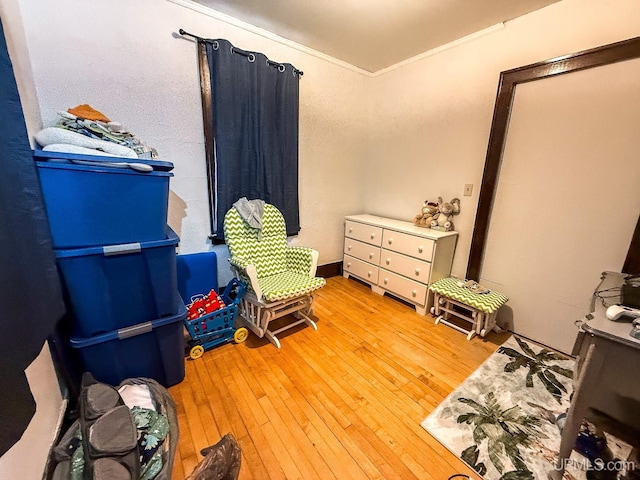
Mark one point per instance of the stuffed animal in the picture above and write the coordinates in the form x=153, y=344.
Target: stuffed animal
x=423, y=219
x=443, y=220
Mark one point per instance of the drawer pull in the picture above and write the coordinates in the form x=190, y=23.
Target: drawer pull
x=369, y=273
x=349, y=247
x=420, y=249
x=417, y=271
x=349, y=265
x=386, y=280
x=371, y=255
x=390, y=241
x=373, y=235
x=388, y=261
x=350, y=229
x=414, y=293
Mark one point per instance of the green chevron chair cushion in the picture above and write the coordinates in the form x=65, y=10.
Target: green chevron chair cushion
x=265, y=249
x=485, y=302
x=287, y=285
x=283, y=271
x=299, y=259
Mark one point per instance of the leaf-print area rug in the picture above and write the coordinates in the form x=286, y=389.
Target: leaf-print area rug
x=502, y=420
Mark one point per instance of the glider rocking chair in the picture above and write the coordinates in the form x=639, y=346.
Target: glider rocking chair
x=280, y=278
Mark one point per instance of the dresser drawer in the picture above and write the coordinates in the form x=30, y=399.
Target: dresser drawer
x=361, y=269
x=409, y=267
x=411, y=245
x=403, y=287
x=361, y=250
x=363, y=232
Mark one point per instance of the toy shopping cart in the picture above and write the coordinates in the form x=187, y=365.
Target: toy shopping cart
x=197, y=275
x=218, y=327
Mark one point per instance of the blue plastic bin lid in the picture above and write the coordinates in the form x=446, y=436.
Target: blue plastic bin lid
x=42, y=156
x=121, y=249
x=132, y=331
x=58, y=164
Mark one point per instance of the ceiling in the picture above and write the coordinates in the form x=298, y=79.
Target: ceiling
x=374, y=34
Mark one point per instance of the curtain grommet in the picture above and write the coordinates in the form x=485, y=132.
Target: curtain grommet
x=215, y=45
x=251, y=57
x=281, y=68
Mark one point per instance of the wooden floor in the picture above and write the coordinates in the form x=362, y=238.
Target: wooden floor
x=343, y=402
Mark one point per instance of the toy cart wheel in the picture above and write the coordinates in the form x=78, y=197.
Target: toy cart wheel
x=240, y=335
x=196, y=352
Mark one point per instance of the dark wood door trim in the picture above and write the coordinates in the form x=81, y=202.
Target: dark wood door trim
x=509, y=79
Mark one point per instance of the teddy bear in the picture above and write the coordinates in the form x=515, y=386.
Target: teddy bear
x=443, y=219
x=423, y=219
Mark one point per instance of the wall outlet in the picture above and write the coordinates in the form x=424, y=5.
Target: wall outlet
x=468, y=188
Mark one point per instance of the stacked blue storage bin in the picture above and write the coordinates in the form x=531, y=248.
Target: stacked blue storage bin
x=117, y=259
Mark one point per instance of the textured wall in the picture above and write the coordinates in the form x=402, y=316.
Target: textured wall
x=121, y=57
x=437, y=111
x=381, y=144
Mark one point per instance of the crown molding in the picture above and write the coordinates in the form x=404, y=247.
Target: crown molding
x=441, y=48
x=327, y=58
x=267, y=34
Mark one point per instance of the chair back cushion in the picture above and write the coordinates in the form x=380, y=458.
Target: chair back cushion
x=265, y=248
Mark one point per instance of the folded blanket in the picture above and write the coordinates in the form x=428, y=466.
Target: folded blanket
x=68, y=148
x=53, y=135
x=251, y=212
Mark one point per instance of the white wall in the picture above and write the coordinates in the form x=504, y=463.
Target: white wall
x=121, y=57
x=381, y=144
x=434, y=115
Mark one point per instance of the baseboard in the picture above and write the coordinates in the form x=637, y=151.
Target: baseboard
x=329, y=270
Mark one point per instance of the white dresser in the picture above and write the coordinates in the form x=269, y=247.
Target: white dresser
x=397, y=257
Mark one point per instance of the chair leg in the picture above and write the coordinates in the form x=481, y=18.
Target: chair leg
x=272, y=338
x=303, y=316
x=257, y=316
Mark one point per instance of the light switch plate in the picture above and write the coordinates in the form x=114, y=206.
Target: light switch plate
x=468, y=188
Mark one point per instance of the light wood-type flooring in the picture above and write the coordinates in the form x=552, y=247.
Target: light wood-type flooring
x=343, y=402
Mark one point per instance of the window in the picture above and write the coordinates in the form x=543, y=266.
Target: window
x=250, y=116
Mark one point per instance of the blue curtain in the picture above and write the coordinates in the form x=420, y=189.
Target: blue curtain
x=30, y=294
x=255, y=129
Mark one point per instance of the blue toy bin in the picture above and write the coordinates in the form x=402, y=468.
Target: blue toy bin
x=197, y=273
x=94, y=203
x=117, y=286
x=152, y=349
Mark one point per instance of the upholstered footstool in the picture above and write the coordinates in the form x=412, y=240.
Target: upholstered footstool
x=468, y=301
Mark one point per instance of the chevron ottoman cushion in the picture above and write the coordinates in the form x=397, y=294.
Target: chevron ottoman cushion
x=485, y=302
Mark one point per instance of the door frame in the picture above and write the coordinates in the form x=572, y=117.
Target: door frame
x=509, y=80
